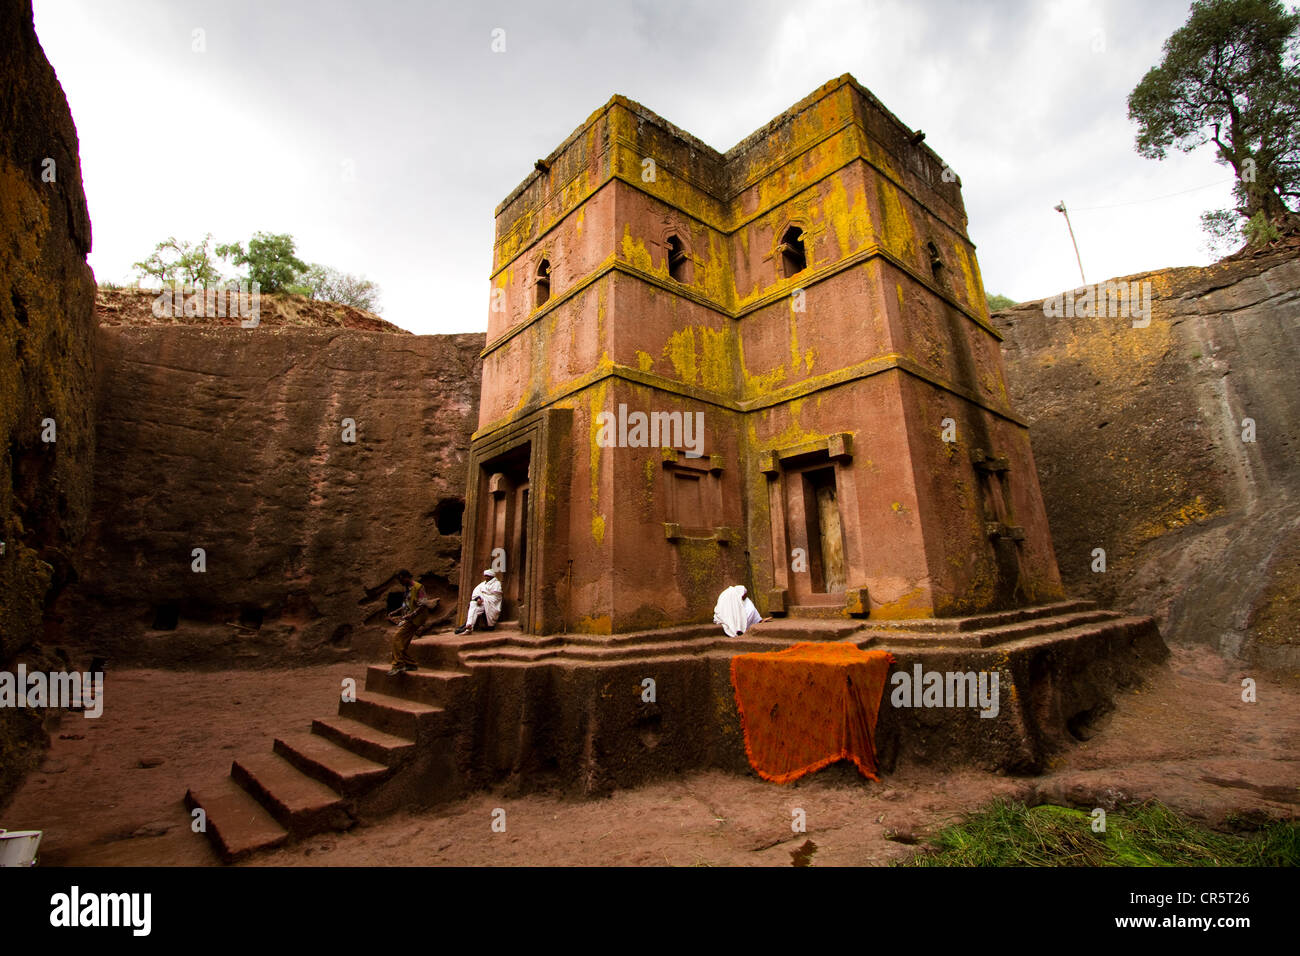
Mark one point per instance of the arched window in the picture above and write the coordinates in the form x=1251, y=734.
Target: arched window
x=543, y=281
x=677, y=260
x=793, y=257
x=936, y=264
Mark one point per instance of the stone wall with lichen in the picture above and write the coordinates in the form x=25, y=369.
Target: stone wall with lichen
x=307, y=465
x=47, y=322
x=1173, y=447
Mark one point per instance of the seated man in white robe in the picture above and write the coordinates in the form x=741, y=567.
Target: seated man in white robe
x=485, y=603
x=736, y=612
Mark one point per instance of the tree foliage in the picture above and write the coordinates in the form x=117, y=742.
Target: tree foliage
x=1230, y=76
x=330, y=285
x=270, y=260
x=174, y=261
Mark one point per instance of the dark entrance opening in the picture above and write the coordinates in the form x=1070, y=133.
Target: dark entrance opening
x=166, y=616
x=449, y=515
x=825, y=531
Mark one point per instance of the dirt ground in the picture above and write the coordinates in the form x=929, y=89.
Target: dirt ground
x=109, y=792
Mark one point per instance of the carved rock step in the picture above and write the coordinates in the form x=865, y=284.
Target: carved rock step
x=980, y=622
x=301, y=805
x=384, y=748
x=337, y=767
x=1118, y=627
x=815, y=612
x=237, y=825
x=428, y=686
x=394, y=715
x=442, y=651
x=755, y=640
x=989, y=637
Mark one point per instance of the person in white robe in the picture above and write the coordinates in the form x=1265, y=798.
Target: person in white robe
x=485, y=603
x=736, y=612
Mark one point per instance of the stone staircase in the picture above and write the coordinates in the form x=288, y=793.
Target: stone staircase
x=387, y=748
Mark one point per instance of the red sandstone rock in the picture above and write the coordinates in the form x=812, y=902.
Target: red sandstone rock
x=232, y=440
x=46, y=326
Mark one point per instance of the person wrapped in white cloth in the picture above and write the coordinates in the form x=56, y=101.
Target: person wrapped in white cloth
x=736, y=612
x=485, y=603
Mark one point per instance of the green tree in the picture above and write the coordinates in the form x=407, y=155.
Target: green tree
x=173, y=261
x=1231, y=75
x=997, y=302
x=330, y=285
x=270, y=260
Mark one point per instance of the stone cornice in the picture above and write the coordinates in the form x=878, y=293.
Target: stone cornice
x=863, y=370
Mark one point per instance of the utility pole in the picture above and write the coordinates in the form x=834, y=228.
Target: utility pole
x=1060, y=207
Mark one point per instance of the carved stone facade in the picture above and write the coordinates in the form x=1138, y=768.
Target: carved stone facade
x=772, y=366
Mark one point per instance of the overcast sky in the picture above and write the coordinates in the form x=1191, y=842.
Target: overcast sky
x=383, y=134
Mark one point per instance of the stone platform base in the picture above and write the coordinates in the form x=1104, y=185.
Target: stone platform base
x=591, y=713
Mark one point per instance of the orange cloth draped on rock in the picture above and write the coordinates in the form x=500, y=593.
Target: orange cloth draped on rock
x=808, y=706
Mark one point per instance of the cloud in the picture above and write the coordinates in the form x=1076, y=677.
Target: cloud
x=382, y=136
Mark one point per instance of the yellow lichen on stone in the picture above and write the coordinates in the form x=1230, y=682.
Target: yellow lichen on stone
x=794, y=336
x=913, y=603
x=761, y=384
x=1192, y=512
x=594, y=624
x=793, y=434
x=849, y=221
x=970, y=275
x=899, y=233
x=599, y=397
x=719, y=284
x=716, y=364
x=635, y=253
x=644, y=361
x=680, y=351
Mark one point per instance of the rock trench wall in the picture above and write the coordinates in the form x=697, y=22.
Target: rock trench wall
x=47, y=321
x=1141, y=449
x=233, y=441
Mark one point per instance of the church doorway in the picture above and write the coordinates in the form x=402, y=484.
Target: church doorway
x=825, y=531
x=505, y=549
x=814, y=531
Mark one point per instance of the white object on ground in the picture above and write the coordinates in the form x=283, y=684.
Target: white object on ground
x=18, y=847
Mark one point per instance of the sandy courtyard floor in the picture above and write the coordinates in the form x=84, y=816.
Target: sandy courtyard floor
x=109, y=792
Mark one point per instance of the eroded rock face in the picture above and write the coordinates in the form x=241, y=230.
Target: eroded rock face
x=235, y=441
x=47, y=321
x=1142, y=443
